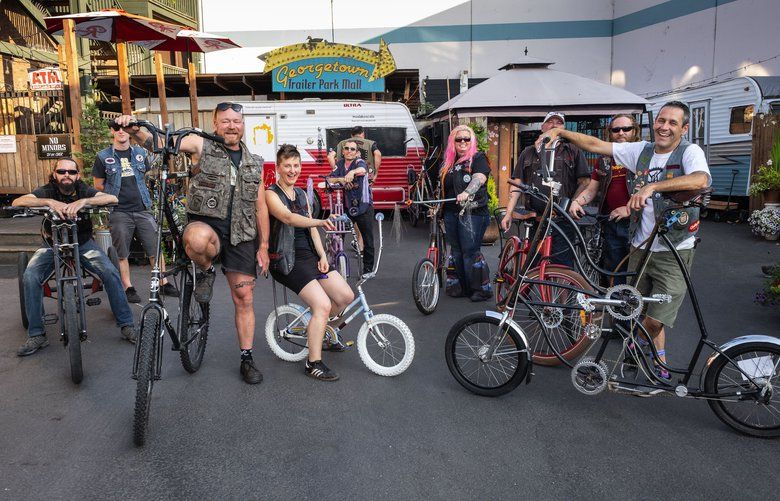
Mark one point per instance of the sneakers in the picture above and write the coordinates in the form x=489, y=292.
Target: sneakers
x=132, y=295
x=250, y=373
x=170, y=290
x=32, y=345
x=320, y=371
x=480, y=295
x=128, y=333
x=204, y=285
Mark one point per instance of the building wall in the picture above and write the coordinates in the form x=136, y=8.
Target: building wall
x=645, y=46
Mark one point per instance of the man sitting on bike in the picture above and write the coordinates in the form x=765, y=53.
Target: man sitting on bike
x=669, y=164
x=226, y=208
x=609, y=188
x=66, y=194
x=352, y=171
x=299, y=261
x=570, y=169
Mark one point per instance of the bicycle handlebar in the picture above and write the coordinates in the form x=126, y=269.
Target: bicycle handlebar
x=46, y=211
x=168, y=133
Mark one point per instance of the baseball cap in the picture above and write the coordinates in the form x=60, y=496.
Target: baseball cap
x=554, y=114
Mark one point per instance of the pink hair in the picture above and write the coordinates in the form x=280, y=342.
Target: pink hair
x=449, y=153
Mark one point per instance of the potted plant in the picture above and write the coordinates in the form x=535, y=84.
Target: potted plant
x=766, y=181
x=769, y=295
x=765, y=223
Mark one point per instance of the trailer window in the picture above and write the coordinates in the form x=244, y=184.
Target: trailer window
x=741, y=119
x=391, y=141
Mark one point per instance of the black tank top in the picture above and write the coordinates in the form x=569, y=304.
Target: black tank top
x=297, y=206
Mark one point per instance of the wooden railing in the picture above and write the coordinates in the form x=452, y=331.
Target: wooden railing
x=170, y=69
x=188, y=8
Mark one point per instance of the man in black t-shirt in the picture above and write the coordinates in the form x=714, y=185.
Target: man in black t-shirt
x=67, y=194
x=570, y=169
x=119, y=170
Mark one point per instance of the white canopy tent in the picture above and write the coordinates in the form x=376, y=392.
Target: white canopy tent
x=529, y=88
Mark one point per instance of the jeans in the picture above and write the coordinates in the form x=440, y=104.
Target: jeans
x=464, y=235
x=615, y=246
x=559, y=250
x=365, y=223
x=92, y=259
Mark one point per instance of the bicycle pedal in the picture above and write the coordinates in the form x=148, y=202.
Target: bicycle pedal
x=51, y=319
x=349, y=344
x=93, y=301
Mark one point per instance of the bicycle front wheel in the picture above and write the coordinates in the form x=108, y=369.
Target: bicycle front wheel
x=508, y=268
x=285, y=332
x=193, y=327
x=564, y=324
x=748, y=407
x=466, y=349
x=145, y=369
x=71, y=324
x=425, y=286
x=385, y=345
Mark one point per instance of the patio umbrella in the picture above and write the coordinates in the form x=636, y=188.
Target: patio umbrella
x=118, y=26
x=186, y=41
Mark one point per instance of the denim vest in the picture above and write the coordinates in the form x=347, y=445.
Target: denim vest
x=681, y=222
x=357, y=199
x=113, y=169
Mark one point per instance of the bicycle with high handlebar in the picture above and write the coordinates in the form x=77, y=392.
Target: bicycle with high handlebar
x=384, y=342
x=335, y=238
x=190, y=332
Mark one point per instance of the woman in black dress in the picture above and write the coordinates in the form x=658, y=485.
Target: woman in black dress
x=298, y=259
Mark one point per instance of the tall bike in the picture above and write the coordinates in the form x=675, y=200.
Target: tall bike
x=335, y=238
x=68, y=282
x=190, y=332
x=430, y=271
x=421, y=187
x=385, y=343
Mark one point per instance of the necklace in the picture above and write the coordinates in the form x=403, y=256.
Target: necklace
x=287, y=193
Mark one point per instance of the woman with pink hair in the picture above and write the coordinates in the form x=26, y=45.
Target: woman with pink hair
x=463, y=176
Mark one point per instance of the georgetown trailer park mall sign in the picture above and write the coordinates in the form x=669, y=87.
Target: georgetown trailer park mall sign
x=321, y=66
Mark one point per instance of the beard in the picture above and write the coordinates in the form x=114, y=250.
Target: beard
x=66, y=188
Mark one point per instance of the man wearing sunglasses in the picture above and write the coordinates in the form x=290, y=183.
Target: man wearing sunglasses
x=119, y=170
x=367, y=150
x=228, y=218
x=67, y=195
x=570, y=169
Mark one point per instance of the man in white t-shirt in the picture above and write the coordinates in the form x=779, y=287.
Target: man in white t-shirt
x=674, y=165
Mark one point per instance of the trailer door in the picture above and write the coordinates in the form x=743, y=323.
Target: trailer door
x=260, y=135
x=699, y=131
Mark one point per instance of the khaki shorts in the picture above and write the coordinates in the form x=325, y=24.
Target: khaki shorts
x=662, y=276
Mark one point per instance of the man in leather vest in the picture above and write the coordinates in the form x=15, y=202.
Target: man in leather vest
x=368, y=149
x=670, y=164
x=571, y=170
x=228, y=218
x=119, y=170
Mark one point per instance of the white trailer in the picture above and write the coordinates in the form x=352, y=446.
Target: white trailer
x=316, y=126
x=721, y=121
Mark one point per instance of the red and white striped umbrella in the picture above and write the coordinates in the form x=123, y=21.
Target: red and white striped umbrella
x=115, y=25
x=192, y=41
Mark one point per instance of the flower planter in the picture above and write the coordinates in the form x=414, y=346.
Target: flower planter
x=774, y=237
x=491, y=233
x=771, y=197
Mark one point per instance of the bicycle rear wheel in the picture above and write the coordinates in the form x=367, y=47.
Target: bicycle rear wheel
x=414, y=210
x=508, y=268
x=21, y=266
x=71, y=324
x=425, y=286
x=745, y=411
x=565, y=325
x=385, y=345
x=466, y=352
x=145, y=369
x=193, y=326
x=285, y=332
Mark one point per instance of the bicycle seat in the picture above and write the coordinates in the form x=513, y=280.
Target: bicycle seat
x=698, y=198
x=521, y=214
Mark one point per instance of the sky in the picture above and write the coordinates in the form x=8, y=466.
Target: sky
x=241, y=20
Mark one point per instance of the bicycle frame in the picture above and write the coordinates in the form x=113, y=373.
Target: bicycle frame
x=65, y=247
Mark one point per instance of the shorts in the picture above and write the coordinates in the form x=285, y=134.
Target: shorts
x=241, y=258
x=126, y=224
x=662, y=276
x=304, y=271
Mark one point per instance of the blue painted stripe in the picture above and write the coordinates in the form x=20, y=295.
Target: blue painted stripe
x=666, y=11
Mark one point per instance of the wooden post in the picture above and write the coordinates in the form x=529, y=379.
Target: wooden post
x=158, y=70
x=504, y=161
x=193, y=83
x=74, y=88
x=124, y=77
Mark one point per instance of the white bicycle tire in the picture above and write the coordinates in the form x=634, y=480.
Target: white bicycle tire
x=270, y=333
x=376, y=368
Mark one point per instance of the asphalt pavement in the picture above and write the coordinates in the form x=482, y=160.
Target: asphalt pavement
x=416, y=436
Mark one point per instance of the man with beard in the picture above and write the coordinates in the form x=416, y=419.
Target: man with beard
x=226, y=208
x=66, y=194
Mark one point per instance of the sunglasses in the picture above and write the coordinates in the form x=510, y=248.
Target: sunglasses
x=62, y=172
x=115, y=127
x=462, y=139
x=615, y=130
x=233, y=106
x=349, y=148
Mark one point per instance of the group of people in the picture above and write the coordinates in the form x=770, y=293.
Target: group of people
x=233, y=218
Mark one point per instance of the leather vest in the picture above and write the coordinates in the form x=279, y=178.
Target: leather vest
x=682, y=223
x=604, y=169
x=212, y=195
x=365, y=146
x=563, y=172
x=281, y=244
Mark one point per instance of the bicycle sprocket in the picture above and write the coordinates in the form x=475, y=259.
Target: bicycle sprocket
x=589, y=377
x=632, y=298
